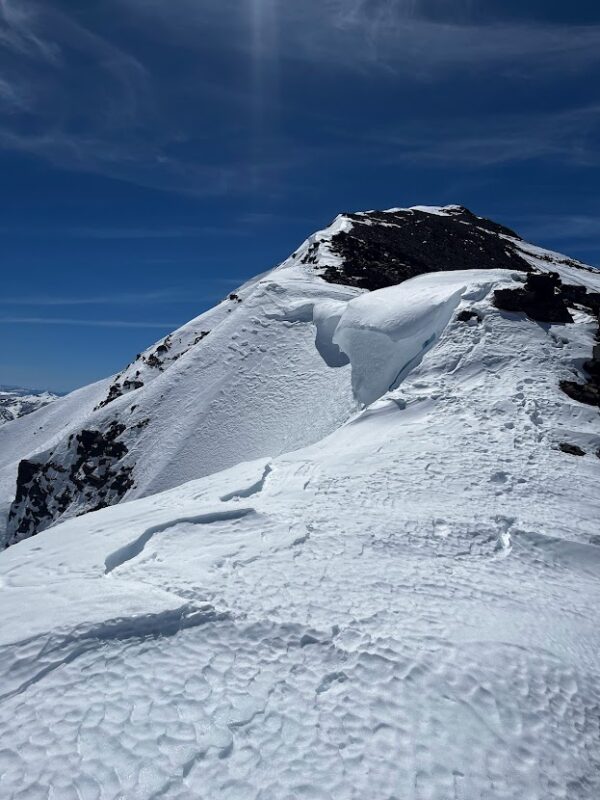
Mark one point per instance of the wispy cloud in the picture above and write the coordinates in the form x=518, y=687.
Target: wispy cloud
x=40, y=47
x=575, y=228
x=169, y=296
x=234, y=228
x=18, y=32
x=419, y=35
x=398, y=34
x=567, y=135
x=72, y=96
x=87, y=94
x=109, y=300
x=172, y=232
x=128, y=159
x=93, y=323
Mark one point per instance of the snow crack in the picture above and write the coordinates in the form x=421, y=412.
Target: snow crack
x=254, y=488
x=133, y=549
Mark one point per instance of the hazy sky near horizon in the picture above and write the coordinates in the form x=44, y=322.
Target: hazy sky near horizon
x=156, y=153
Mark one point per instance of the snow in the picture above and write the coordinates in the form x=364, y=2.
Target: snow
x=254, y=386
x=385, y=333
x=403, y=606
x=326, y=317
x=570, y=271
x=441, y=211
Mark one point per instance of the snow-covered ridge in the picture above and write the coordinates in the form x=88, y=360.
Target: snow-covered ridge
x=267, y=371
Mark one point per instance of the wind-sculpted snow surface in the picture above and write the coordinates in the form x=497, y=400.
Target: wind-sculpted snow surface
x=406, y=608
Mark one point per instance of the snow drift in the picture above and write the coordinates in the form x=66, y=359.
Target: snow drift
x=385, y=334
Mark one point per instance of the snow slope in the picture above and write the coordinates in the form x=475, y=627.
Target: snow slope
x=405, y=608
x=245, y=380
x=254, y=385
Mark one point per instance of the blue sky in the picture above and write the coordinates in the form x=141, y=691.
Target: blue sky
x=156, y=153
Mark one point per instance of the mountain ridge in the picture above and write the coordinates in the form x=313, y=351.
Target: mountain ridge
x=131, y=447
x=17, y=401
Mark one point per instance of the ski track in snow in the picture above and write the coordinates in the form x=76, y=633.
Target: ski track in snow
x=406, y=608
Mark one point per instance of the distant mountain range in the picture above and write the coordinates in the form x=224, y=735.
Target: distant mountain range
x=15, y=401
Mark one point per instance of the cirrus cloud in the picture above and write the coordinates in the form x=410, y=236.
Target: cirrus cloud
x=187, y=96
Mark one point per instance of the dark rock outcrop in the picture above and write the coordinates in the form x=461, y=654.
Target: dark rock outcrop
x=571, y=449
x=91, y=475
x=384, y=248
x=587, y=392
x=541, y=299
x=580, y=296
x=544, y=298
x=467, y=314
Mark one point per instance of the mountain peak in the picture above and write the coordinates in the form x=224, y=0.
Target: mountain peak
x=265, y=371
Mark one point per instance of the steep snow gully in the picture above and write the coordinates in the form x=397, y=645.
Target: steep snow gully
x=361, y=553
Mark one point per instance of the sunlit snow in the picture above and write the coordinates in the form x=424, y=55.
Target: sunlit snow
x=393, y=595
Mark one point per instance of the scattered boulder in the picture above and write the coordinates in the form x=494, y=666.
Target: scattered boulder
x=540, y=298
x=154, y=361
x=130, y=385
x=580, y=296
x=115, y=390
x=160, y=359
x=589, y=391
x=571, y=449
x=468, y=314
